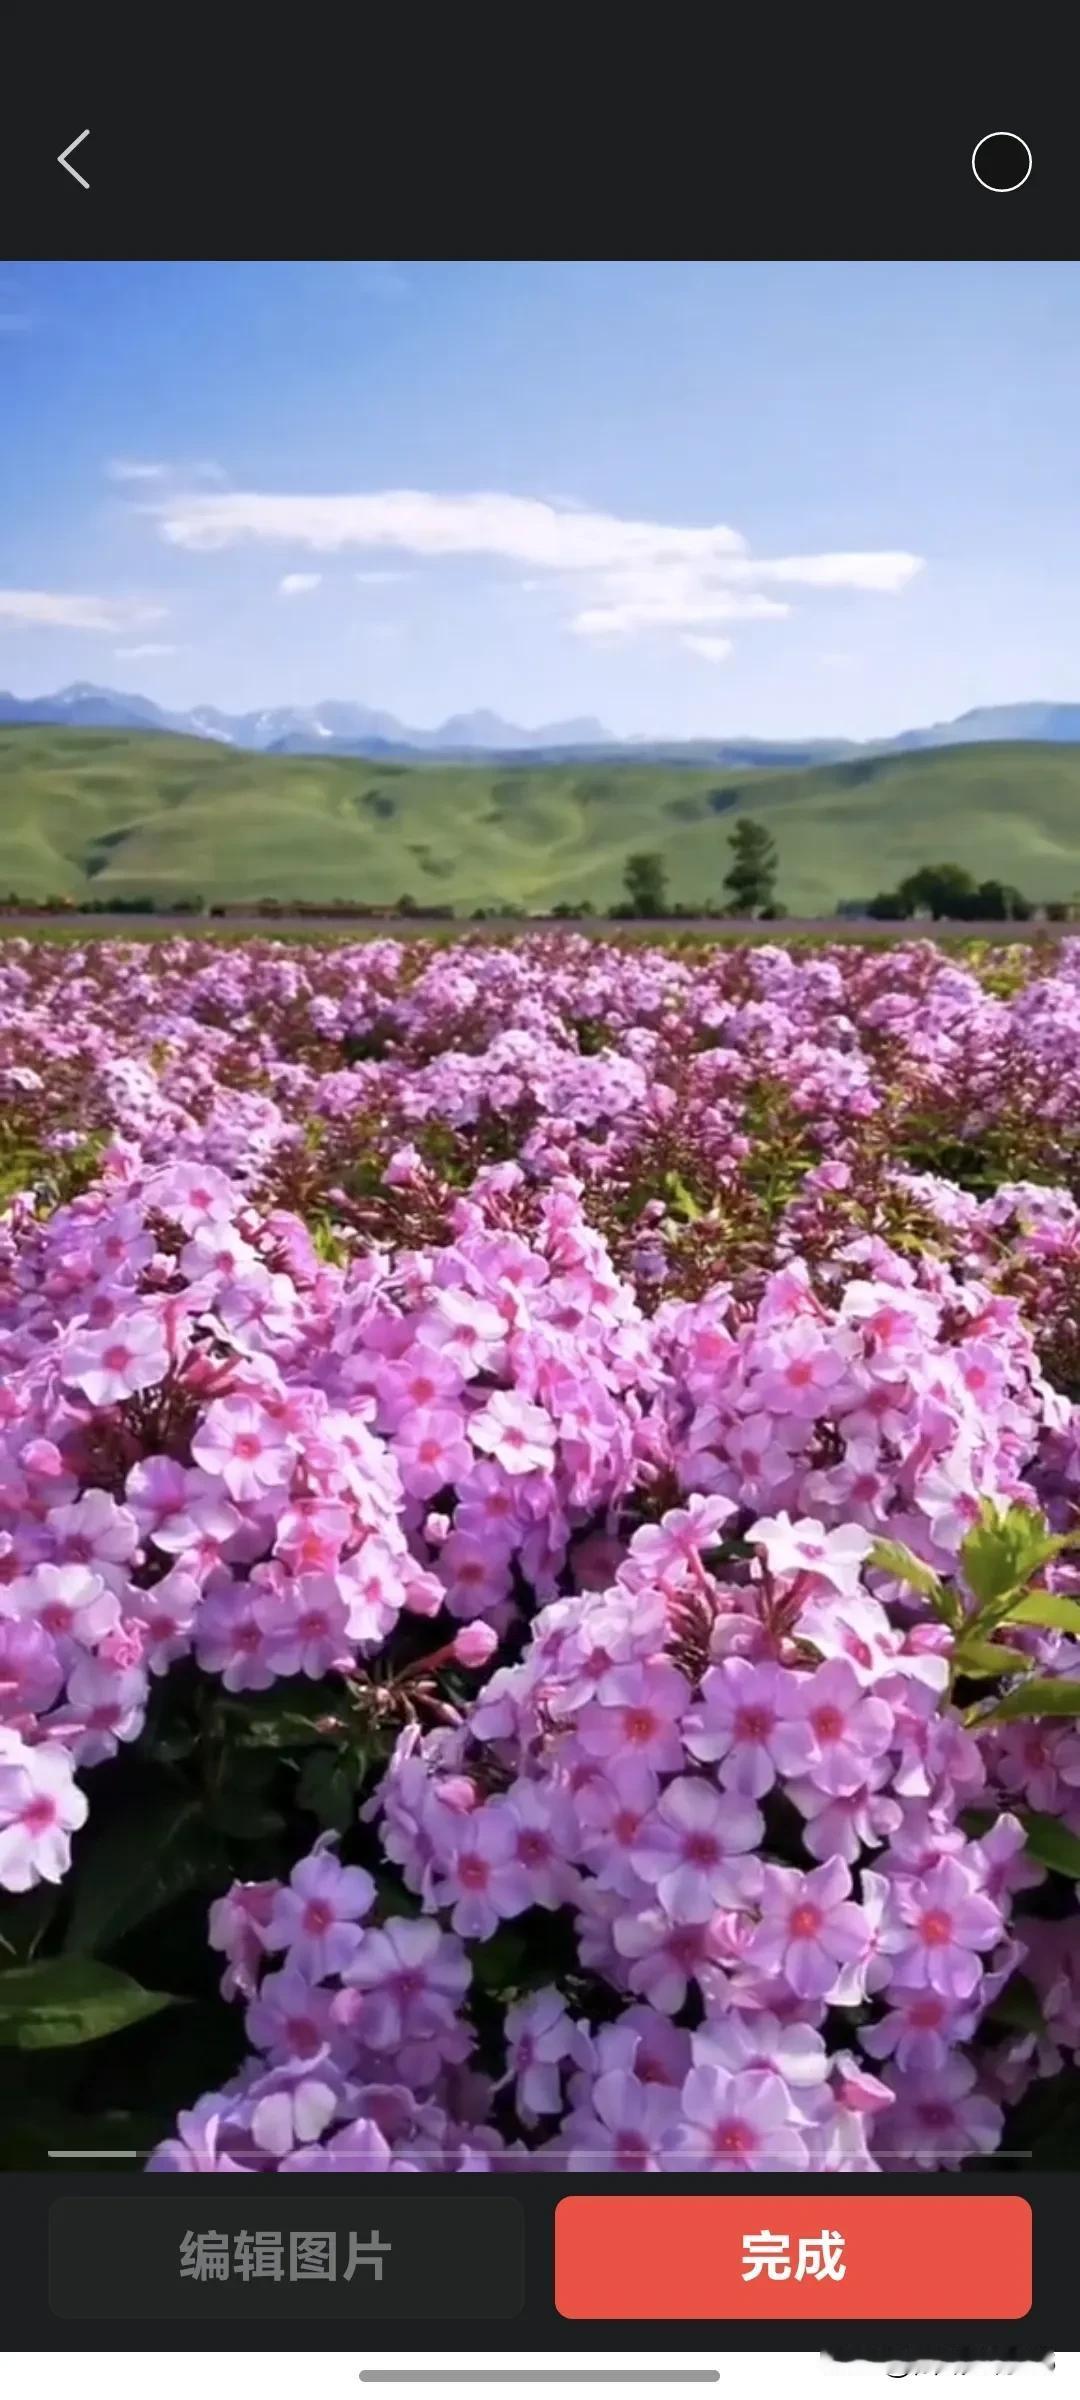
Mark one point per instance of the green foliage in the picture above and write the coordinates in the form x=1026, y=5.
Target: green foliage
x=1051, y=1843
x=1040, y=1696
x=645, y=883
x=950, y=892
x=751, y=878
x=60, y=2001
x=134, y=1865
x=218, y=1788
x=998, y=1558
x=116, y=815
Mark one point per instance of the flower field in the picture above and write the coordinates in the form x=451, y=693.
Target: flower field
x=539, y=1555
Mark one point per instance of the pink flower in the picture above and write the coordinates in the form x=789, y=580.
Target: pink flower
x=296, y=2112
x=316, y=1915
x=668, y=1549
x=474, y=1574
x=941, y=1923
x=93, y=1531
x=408, y=1978
x=237, y=1925
x=685, y=1848
x=41, y=1806
x=483, y=1879
x=809, y=1927
x=846, y=1825
x=802, y=1370
x=919, y=2030
x=539, y=2036
x=847, y=1729
x=114, y=1362
x=370, y=1585
x=749, y=1720
x=229, y=1640
x=178, y=1507
x=471, y=1332
x=756, y=2039
x=105, y=1705
x=31, y=1675
x=637, y=1712
x=629, y=2130
x=739, y=2123
x=305, y=1626
x=74, y=1606
x=519, y=1436
x=240, y=1442
x=939, y=2118
x=431, y=1450
x=289, y=2017
x=545, y=1835
x=665, y=1958
x=167, y=1610
x=423, y=1379
x=474, y=1645
x=805, y=1548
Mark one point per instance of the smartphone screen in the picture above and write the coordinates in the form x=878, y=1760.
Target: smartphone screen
x=539, y=1258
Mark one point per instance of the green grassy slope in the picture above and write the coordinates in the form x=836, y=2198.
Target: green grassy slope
x=115, y=814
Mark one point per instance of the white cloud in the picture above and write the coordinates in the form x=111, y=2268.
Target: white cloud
x=162, y=470
x=619, y=575
x=708, y=645
x=147, y=650
x=291, y=586
x=78, y=612
x=137, y=470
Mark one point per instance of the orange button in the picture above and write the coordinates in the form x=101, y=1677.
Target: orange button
x=695, y=2257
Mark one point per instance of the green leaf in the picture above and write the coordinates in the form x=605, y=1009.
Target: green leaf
x=290, y=1717
x=498, y=1962
x=245, y=1818
x=135, y=1866
x=679, y=1193
x=894, y=1558
x=25, y=1919
x=1047, y=1608
x=1051, y=1843
x=1018, y=2006
x=989, y=1658
x=1040, y=1696
x=1005, y=1550
x=329, y=1787
x=61, y=2001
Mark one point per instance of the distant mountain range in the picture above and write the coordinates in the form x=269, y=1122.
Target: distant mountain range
x=345, y=729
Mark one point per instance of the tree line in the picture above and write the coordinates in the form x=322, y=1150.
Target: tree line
x=944, y=892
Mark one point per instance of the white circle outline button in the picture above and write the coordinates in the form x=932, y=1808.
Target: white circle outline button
x=1001, y=136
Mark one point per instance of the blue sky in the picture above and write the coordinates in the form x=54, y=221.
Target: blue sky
x=779, y=499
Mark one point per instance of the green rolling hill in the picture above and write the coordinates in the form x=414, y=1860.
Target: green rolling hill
x=112, y=815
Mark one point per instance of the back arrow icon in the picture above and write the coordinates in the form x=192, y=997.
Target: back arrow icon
x=64, y=159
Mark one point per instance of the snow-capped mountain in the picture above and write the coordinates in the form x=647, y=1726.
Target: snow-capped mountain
x=345, y=728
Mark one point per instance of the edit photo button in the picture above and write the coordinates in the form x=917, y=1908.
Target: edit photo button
x=699, y=2257
x=344, y=2255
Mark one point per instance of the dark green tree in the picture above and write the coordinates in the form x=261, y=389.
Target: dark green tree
x=645, y=884
x=994, y=899
x=750, y=882
x=943, y=891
